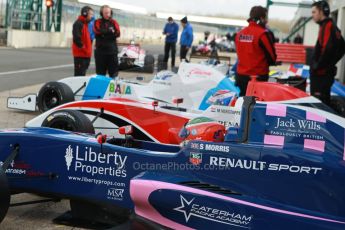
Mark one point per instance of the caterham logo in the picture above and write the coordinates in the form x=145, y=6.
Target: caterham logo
x=195, y=158
x=69, y=156
x=191, y=208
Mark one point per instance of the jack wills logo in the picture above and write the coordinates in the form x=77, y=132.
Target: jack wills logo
x=299, y=124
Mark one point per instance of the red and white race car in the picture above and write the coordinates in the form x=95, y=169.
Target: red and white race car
x=152, y=120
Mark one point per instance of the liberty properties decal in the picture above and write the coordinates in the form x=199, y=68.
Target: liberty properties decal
x=87, y=161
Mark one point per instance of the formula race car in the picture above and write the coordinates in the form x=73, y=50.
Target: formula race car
x=282, y=168
x=152, y=120
x=133, y=58
x=193, y=82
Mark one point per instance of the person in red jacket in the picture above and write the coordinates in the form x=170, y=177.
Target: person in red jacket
x=107, y=30
x=82, y=45
x=255, y=49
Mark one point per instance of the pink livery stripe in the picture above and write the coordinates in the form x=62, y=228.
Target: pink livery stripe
x=315, y=145
x=274, y=140
x=140, y=191
x=277, y=110
x=315, y=117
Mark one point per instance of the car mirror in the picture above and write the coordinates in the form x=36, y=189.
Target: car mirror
x=126, y=130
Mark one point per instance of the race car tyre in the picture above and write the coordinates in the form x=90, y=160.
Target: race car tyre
x=69, y=120
x=161, y=65
x=338, y=104
x=101, y=213
x=53, y=94
x=5, y=195
x=149, y=63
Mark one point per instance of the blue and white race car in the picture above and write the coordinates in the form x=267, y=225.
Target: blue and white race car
x=282, y=168
x=193, y=83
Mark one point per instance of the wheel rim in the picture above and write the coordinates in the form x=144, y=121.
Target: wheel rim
x=51, y=99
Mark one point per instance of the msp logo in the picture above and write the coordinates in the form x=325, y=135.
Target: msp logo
x=195, y=158
x=115, y=193
x=69, y=156
x=191, y=208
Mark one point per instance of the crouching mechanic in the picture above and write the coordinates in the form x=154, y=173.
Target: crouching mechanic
x=255, y=49
x=329, y=49
x=107, y=30
x=82, y=45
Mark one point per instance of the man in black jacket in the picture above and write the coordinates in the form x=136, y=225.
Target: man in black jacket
x=107, y=30
x=329, y=49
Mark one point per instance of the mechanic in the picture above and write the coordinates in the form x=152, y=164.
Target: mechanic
x=329, y=49
x=186, y=38
x=82, y=45
x=170, y=31
x=107, y=30
x=255, y=49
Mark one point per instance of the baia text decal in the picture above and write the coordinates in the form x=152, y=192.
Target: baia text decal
x=120, y=89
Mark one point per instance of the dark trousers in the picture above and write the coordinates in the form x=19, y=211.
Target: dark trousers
x=170, y=46
x=241, y=81
x=183, y=53
x=107, y=63
x=81, y=65
x=320, y=85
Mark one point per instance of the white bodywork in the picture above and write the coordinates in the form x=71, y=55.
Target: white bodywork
x=133, y=52
x=190, y=83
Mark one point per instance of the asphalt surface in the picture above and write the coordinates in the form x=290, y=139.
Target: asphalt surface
x=24, y=67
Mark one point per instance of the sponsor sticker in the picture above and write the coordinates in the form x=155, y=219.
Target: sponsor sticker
x=90, y=162
x=190, y=208
x=195, y=158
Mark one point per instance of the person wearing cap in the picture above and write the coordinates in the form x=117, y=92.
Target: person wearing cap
x=82, y=45
x=186, y=38
x=255, y=49
x=170, y=31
